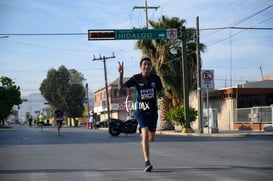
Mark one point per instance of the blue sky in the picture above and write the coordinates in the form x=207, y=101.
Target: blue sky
x=26, y=59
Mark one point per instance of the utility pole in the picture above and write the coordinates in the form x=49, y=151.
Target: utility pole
x=198, y=72
x=185, y=81
x=146, y=7
x=106, y=84
x=87, y=97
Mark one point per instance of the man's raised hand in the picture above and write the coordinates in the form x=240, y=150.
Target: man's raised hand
x=120, y=68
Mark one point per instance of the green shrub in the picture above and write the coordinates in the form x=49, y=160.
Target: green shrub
x=176, y=115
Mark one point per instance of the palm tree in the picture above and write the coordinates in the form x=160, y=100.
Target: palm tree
x=166, y=57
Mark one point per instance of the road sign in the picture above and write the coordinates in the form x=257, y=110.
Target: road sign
x=207, y=77
x=146, y=34
x=132, y=34
x=172, y=33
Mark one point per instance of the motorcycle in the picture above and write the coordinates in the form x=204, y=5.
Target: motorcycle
x=118, y=126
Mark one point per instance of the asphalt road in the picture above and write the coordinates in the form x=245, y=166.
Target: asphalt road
x=79, y=154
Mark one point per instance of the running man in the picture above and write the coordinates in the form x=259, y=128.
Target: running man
x=59, y=119
x=41, y=120
x=147, y=86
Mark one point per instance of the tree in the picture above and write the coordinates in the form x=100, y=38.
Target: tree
x=166, y=57
x=64, y=89
x=49, y=88
x=10, y=95
x=75, y=101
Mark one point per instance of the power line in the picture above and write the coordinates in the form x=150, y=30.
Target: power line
x=241, y=20
x=45, y=47
x=42, y=34
x=242, y=30
x=233, y=27
x=251, y=16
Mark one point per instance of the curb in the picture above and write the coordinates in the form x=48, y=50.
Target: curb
x=175, y=133
x=214, y=134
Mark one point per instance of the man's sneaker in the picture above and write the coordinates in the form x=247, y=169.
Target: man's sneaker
x=148, y=167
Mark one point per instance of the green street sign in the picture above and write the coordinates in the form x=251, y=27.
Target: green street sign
x=145, y=34
x=132, y=34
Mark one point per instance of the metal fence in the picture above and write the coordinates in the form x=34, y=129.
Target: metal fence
x=254, y=115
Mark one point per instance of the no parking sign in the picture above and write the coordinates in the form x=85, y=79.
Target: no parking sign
x=207, y=79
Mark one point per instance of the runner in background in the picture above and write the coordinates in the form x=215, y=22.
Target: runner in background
x=59, y=119
x=41, y=121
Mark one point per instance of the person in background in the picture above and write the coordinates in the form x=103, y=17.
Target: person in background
x=41, y=121
x=59, y=119
x=91, y=121
x=30, y=121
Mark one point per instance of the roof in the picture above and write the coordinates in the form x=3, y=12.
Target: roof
x=113, y=83
x=116, y=81
x=257, y=84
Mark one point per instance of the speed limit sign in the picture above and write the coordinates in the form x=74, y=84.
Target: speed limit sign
x=207, y=79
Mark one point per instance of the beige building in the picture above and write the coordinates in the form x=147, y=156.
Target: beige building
x=246, y=106
x=117, y=99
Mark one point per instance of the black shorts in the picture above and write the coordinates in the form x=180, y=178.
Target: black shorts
x=147, y=119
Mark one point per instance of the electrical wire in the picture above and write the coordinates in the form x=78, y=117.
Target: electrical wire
x=251, y=16
x=42, y=34
x=240, y=20
x=243, y=29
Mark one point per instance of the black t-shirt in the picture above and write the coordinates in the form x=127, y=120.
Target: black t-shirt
x=59, y=113
x=146, y=88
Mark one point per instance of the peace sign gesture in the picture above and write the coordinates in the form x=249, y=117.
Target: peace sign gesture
x=120, y=68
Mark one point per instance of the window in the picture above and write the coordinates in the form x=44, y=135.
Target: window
x=120, y=93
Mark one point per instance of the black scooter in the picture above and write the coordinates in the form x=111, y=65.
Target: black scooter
x=118, y=126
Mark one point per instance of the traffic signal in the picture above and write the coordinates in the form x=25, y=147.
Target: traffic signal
x=101, y=35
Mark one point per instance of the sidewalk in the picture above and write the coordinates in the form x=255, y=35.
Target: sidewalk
x=233, y=133
x=227, y=133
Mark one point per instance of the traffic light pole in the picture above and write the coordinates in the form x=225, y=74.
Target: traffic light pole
x=106, y=84
x=87, y=97
x=187, y=128
x=199, y=88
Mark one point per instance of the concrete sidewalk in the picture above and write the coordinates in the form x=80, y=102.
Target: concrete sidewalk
x=227, y=133
x=219, y=134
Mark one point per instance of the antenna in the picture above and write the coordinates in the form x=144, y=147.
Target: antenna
x=262, y=73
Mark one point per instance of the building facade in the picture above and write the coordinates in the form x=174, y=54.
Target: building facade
x=117, y=102
x=247, y=106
